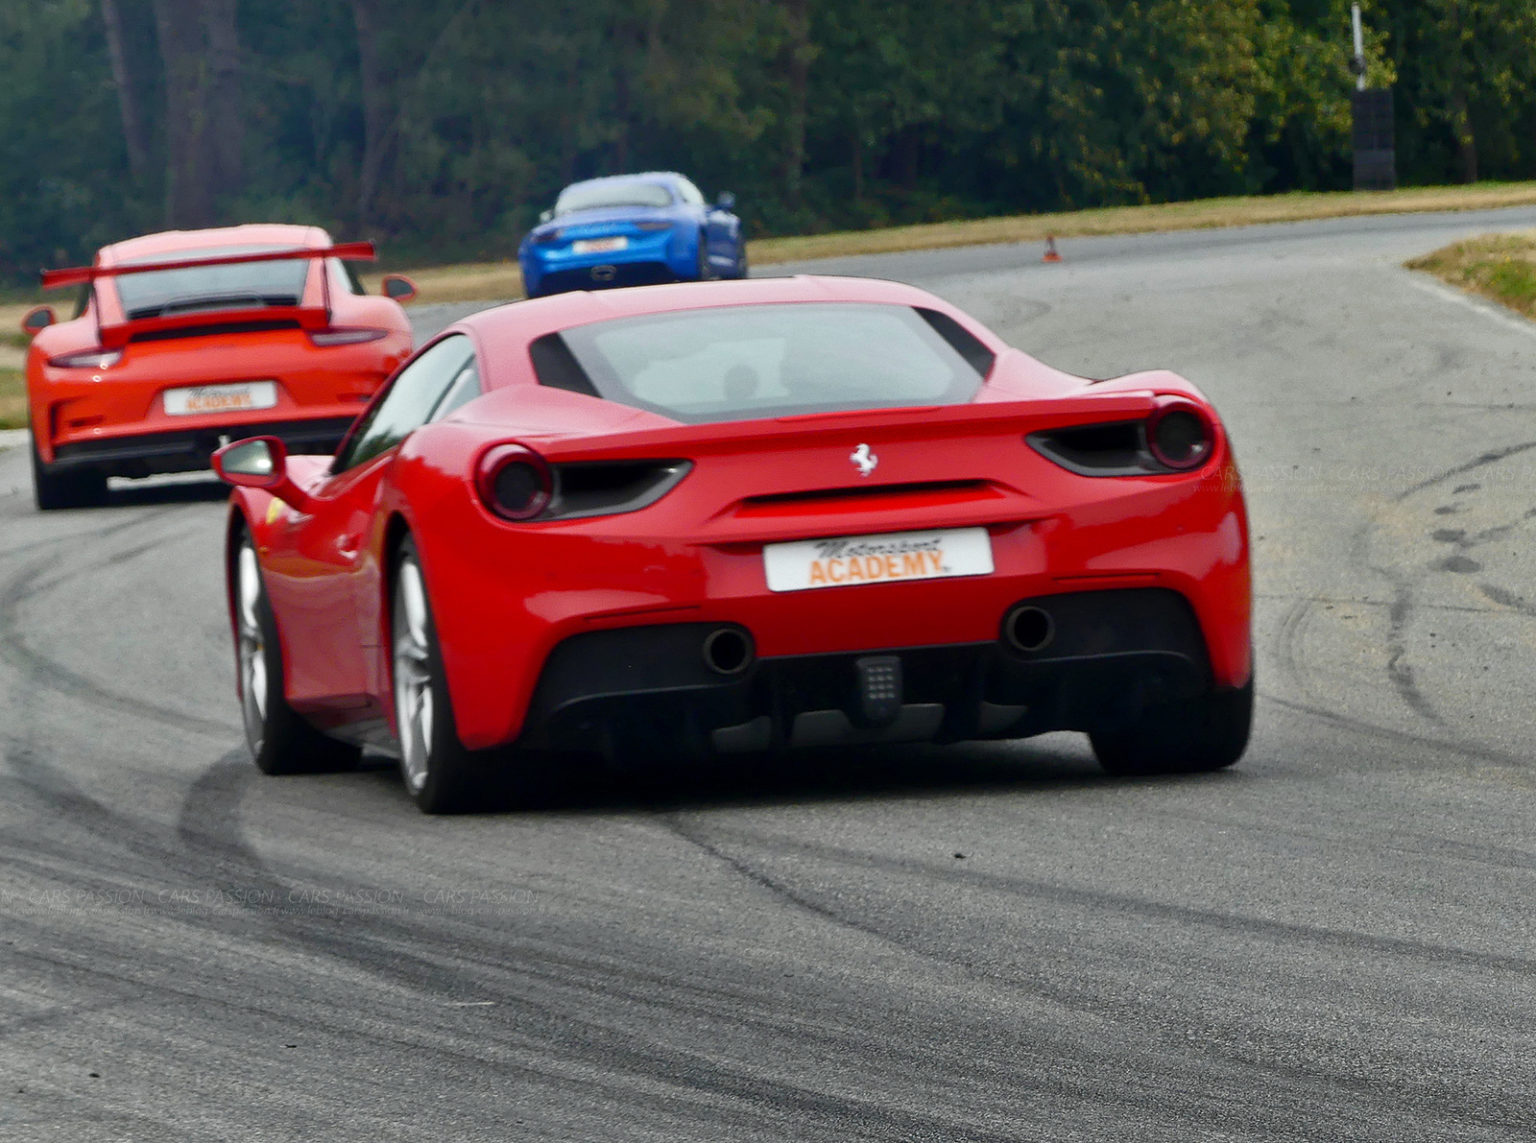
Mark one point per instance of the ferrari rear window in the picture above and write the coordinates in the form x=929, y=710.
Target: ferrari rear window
x=745, y=362
x=246, y=285
x=595, y=196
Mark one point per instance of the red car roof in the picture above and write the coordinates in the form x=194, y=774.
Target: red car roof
x=172, y=242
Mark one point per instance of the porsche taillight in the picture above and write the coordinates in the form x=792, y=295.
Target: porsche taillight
x=357, y=336
x=87, y=359
x=514, y=482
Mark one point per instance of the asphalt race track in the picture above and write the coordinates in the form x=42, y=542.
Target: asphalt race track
x=1335, y=941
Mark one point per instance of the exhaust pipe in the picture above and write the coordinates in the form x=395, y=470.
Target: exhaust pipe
x=728, y=650
x=1028, y=629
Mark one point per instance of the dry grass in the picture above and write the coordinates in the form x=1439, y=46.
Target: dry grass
x=1497, y=266
x=1202, y=214
x=471, y=282
x=494, y=281
x=13, y=399
x=488, y=281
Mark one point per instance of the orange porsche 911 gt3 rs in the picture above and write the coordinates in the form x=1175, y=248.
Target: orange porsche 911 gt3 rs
x=185, y=340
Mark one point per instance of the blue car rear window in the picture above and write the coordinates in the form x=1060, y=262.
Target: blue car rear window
x=747, y=362
x=595, y=196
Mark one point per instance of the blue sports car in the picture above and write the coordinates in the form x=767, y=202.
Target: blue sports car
x=631, y=230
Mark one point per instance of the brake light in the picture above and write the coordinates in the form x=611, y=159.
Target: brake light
x=1180, y=437
x=514, y=482
x=655, y=225
x=88, y=359
x=346, y=336
x=1177, y=436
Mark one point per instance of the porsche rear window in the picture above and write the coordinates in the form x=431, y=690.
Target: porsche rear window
x=246, y=285
x=745, y=362
x=594, y=196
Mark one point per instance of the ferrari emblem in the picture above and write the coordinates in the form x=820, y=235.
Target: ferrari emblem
x=864, y=459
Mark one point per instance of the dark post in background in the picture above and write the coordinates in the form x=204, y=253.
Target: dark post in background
x=1375, y=150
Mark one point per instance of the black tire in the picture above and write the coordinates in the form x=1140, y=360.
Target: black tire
x=280, y=740
x=439, y=773
x=77, y=489
x=705, y=274
x=740, y=271
x=1197, y=736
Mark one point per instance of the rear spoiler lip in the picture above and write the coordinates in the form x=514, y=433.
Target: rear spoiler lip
x=985, y=418
x=305, y=317
x=353, y=251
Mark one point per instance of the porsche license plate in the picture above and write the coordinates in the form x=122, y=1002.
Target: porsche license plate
x=887, y=558
x=205, y=399
x=598, y=245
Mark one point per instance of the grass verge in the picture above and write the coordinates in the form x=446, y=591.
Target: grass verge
x=1501, y=267
x=487, y=281
x=492, y=281
x=13, y=399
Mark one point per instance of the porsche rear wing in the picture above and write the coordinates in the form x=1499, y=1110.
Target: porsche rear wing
x=117, y=333
x=353, y=251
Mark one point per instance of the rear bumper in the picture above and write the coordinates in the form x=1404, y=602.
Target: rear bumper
x=1110, y=654
x=650, y=259
x=190, y=450
x=607, y=276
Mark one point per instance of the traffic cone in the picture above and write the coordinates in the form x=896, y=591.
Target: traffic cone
x=1050, y=249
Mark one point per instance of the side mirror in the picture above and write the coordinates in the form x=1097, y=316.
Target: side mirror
x=546, y=215
x=726, y=201
x=261, y=462
x=399, y=287
x=37, y=319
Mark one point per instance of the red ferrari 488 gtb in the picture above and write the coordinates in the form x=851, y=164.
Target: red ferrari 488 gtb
x=186, y=340
x=741, y=517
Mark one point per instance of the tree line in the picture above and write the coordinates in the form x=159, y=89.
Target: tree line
x=443, y=126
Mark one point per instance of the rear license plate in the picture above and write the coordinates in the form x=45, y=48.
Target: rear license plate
x=598, y=245
x=887, y=558
x=206, y=399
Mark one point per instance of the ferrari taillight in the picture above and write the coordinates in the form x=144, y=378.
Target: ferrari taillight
x=514, y=482
x=88, y=359
x=324, y=337
x=1180, y=436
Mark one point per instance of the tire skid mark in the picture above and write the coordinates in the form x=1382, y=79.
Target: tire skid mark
x=1101, y=901
x=1507, y=600
x=95, y=535
x=540, y=1053
x=1356, y=601
x=1399, y=615
x=382, y=947
x=1239, y=1054
x=1401, y=611
x=1037, y=988
x=1515, y=764
x=1485, y=459
x=53, y=675
x=1288, y=643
